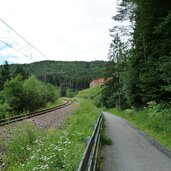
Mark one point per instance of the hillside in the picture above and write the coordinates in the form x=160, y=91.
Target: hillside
x=76, y=74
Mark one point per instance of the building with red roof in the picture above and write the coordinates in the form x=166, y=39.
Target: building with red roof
x=99, y=81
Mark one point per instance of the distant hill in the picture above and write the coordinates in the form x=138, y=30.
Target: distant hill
x=76, y=74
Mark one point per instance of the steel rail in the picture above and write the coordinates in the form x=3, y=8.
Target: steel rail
x=4, y=122
x=89, y=159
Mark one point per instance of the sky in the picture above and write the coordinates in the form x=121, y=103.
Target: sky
x=67, y=30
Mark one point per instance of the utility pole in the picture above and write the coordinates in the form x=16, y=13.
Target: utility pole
x=60, y=81
x=45, y=98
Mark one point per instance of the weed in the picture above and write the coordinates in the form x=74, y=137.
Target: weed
x=155, y=120
x=104, y=140
x=33, y=149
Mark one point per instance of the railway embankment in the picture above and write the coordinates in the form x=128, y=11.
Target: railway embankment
x=38, y=143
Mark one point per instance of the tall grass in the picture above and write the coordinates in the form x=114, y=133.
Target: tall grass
x=93, y=94
x=155, y=120
x=33, y=149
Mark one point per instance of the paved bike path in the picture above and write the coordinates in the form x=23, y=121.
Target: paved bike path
x=130, y=151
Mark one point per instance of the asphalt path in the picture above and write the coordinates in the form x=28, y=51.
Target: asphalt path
x=130, y=151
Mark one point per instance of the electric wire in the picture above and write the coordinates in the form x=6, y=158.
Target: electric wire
x=24, y=38
x=15, y=49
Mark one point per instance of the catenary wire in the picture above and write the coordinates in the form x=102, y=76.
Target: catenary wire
x=23, y=38
x=15, y=49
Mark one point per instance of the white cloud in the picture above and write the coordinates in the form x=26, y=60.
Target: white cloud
x=61, y=29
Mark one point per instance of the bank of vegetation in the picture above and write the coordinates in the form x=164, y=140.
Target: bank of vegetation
x=94, y=94
x=155, y=120
x=35, y=149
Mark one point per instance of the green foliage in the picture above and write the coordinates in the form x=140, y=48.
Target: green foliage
x=112, y=96
x=160, y=111
x=21, y=95
x=93, y=93
x=57, y=102
x=52, y=93
x=18, y=148
x=109, y=96
x=76, y=74
x=34, y=149
x=20, y=71
x=151, y=50
x=5, y=74
x=4, y=110
x=70, y=92
x=139, y=58
x=104, y=139
x=33, y=93
x=14, y=94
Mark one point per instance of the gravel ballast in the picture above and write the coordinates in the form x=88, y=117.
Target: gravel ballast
x=54, y=119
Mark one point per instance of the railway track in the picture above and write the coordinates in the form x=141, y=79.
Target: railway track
x=4, y=122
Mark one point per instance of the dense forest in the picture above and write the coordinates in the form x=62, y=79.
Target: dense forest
x=28, y=87
x=75, y=75
x=139, y=55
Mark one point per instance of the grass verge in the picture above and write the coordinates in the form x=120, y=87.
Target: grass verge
x=33, y=149
x=157, y=127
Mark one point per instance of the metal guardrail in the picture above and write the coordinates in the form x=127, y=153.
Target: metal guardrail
x=89, y=159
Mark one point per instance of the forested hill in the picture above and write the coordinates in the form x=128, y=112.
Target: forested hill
x=76, y=74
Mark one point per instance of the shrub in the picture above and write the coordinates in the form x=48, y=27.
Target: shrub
x=20, y=95
x=33, y=94
x=161, y=110
x=13, y=94
x=4, y=110
x=70, y=92
x=52, y=93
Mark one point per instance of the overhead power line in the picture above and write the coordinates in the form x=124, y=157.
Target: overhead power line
x=23, y=38
x=15, y=49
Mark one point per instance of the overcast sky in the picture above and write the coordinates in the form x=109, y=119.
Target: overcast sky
x=62, y=29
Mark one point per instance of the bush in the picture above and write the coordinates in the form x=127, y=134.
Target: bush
x=70, y=92
x=14, y=94
x=20, y=95
x=4, y=110
x=161, y=110
x=52, y=93
x=33, y=94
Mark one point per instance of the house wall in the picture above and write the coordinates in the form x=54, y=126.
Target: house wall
x=98, y=82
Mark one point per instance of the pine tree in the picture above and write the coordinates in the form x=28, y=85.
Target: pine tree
x=20, y=71
x=5, y=74
x=144, y=73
